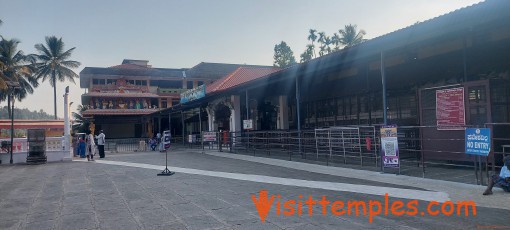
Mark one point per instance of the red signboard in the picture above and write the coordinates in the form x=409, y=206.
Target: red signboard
x=450, y=111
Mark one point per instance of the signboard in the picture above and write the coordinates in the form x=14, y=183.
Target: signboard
x=389, y=147
x=478, y=141
x=193, y=94
x=209, y=136
x=166, y=140
x=248, y=124
x=450, y=114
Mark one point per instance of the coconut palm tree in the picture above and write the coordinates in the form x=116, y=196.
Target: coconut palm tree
x=350, y=36
x=15, y=67
x=53, y=64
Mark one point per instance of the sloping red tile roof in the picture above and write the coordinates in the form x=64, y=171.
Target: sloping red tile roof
x=98, y=94
x=240, y=76
x=31, y=124
x=89, y=112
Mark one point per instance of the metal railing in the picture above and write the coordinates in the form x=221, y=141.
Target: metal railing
x=424, y=151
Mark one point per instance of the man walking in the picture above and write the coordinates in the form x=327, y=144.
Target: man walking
x=100, y=143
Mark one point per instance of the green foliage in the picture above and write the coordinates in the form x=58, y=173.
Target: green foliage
x=80, y=124
x=283, y=55
x=347, y=37
x=308, y=54
x=25, y=114
x=53, y=64
x=350, y=36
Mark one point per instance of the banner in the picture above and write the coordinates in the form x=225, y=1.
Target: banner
x=389, y=147
x=450, y=114
x=166, y=140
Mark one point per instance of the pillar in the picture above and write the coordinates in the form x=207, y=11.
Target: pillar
x=283, y=113
x=235, y=114
x=68, y=154
x=210, y=118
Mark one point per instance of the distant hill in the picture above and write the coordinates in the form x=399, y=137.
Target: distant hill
x=25, y=114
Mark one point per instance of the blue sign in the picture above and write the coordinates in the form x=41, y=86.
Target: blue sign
x=478, y=141
x=193, y=94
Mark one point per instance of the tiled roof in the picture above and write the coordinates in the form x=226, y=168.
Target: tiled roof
x=89, y=112
x=240, y=76
x=24, y=124
x=98, y=94
x=214, y=71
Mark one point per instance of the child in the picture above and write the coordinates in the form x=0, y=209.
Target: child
x=503, y=180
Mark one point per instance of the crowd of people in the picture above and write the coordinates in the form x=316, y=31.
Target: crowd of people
x=86, y=145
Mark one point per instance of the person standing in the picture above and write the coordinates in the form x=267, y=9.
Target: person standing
x=100, y=143
x=81, y=148
x=158, y=138
x=91, y=145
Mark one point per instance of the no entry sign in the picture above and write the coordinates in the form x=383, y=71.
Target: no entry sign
x=478, y=141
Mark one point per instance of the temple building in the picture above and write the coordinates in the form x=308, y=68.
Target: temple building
x=119, y=98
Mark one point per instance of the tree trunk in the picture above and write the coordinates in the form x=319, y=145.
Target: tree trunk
x=55, y=94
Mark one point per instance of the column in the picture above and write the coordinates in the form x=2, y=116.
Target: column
x=68, y=154
x=283, y=113
x=210, y=118
x=235, y=114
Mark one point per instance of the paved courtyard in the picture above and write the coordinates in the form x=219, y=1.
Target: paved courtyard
x=213, y=191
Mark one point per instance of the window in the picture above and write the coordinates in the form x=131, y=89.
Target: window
x=98, y=81
x=190, y=85
x=200, y=83
x=164, y=103
x=111, y=82
x=167, y=84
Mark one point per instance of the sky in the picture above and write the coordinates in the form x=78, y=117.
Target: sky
x=183, y=33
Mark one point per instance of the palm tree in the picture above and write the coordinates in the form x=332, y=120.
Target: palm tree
x=53, y=64
x=335, y=40
x=80, y=124
x=312, y=37
x=308, y=54
x=350, y=36
x=15, y=67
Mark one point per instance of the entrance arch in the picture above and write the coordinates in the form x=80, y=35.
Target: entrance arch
x=222, y=114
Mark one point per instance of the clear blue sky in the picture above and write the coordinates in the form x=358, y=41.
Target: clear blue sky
x=181, y=34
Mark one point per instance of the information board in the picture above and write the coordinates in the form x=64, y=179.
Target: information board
x=248, y=124
x=389, y=147
x=478, y=141
x=209, y=136
x=450, y=111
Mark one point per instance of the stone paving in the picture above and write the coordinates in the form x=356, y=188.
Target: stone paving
x=93, y=195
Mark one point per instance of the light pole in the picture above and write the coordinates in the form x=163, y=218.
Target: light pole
x=12, y=85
